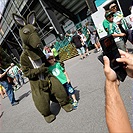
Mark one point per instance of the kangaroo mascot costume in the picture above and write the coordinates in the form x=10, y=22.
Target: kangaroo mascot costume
x=44, y=86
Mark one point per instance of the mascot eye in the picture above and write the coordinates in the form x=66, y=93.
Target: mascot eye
x=26, y=30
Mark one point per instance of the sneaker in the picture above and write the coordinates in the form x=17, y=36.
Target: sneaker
x=98, y=50
x=15, y=103
x=75, y=105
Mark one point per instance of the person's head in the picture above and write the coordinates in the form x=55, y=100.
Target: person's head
x=79, y=32
x=113, y=7
x=109, y=15
x=50, y=58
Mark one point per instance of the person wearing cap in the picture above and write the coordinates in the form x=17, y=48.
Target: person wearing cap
x=113, y=29
x=59, y=71
x=118, y=16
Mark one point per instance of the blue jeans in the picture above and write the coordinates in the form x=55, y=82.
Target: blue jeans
x=18, y=77
x=9, y=90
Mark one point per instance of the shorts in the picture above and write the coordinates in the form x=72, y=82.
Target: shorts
x=1, y=88
x=85, y=45
x=81, y=50
x=94, y=39
x=121, y=45
x=69, y=89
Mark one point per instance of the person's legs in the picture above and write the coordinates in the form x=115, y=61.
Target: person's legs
x=83, y=52
x=17, y=79
x=21, y=78
x=71, y=92
x=121, y=45
x=59, y=92
x=9, y=91
x=79, y=53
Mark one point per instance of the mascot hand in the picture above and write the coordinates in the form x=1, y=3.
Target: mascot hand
x=43, y=68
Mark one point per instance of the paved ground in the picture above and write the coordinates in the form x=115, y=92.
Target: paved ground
x=88, y=79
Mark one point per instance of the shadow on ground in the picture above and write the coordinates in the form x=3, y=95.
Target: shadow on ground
x=24, y=95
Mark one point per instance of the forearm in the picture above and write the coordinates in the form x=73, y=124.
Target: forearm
x=116, y=115
x=117, y=35
x=66, y=75
x=4, y=73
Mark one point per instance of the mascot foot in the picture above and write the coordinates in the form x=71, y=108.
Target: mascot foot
x=50, y=118
x=68, y=107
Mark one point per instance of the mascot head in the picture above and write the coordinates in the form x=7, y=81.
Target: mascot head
x=27, y=31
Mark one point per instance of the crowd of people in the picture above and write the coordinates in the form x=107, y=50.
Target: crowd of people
x=115, y=24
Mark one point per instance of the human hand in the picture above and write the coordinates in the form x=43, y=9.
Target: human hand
x=127, y=59
x=109, y=73
x=43, y=68
x=119, y=22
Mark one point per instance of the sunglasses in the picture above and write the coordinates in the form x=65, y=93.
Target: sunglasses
x=110, y=16
x=114, y=7
x=51, y=58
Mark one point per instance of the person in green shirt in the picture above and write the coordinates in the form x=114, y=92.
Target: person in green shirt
x=113, y=29
x=58, y=71
x=118, y=16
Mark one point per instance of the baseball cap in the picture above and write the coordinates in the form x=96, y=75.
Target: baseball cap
x=49, y=55
x=112, y=5
x=108, y=13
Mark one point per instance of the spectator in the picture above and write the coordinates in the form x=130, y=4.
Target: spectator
x=118, y=16
x=57, y=70
x=84, y=43
x=131, y=15
x=7, y=86
x=76, y=39
x=93, y=37
x=116, y=115
x=17, y=73
x=55, y=52
x=115, y=31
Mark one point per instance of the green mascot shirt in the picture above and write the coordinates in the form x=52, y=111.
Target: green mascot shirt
x=58, y=72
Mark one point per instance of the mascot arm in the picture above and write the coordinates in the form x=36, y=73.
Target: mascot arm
x=28, y=69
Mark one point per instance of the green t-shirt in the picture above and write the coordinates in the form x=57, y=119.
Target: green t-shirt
x=105, y=24
x=113, y=28
x=54, y=51
x=58, y=72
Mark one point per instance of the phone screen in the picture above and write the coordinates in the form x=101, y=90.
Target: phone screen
x=110, y=49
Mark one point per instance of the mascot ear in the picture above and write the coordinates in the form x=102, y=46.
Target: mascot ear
x=19, y=20
x=31, y=18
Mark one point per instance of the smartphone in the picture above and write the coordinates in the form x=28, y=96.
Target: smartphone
x=110, y=49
